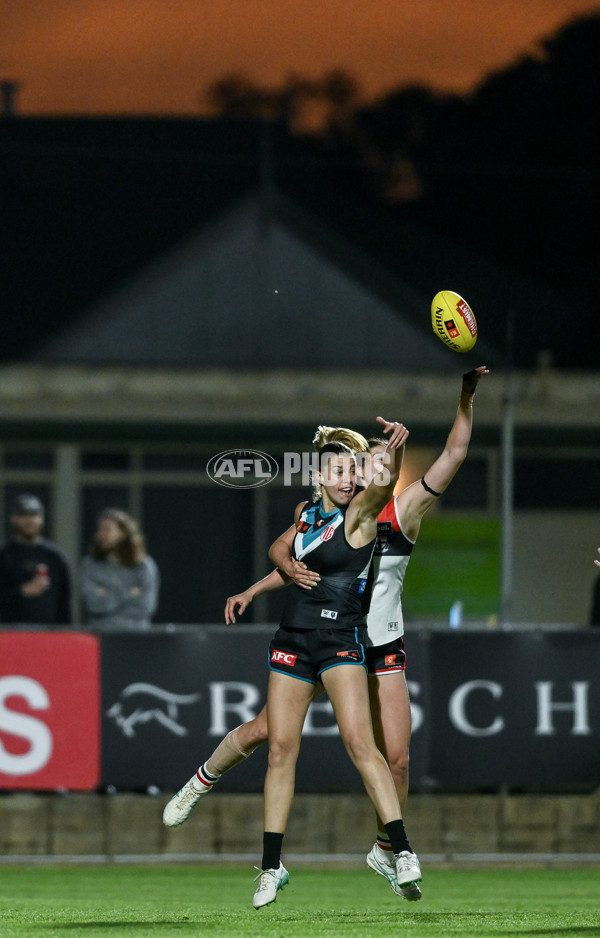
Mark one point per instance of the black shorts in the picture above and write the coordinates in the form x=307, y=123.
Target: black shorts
x=388, y=658
x=306, y=653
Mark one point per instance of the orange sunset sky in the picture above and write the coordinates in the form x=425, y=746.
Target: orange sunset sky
x=157, y=56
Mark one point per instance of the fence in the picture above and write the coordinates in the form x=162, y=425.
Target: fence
x=491, y=711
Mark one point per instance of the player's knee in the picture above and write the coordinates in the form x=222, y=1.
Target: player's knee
x=398, y=763
x=358, y=749
x=281, y=752
x=253, y=733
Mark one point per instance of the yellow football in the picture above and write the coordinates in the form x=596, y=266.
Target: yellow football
x=453, y=321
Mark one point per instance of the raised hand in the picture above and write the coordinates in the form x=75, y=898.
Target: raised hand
x=471, y=379
x=398, y=432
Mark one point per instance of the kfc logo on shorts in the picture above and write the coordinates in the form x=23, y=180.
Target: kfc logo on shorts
x=283, y=657
x=390, y=661
x=328, y=533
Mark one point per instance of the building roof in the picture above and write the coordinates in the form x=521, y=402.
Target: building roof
x=163, y=242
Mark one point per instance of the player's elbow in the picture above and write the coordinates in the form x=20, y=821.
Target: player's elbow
x=456, y=454
x=274, y=555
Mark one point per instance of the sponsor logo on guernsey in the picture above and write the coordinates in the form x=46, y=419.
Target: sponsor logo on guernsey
x=328, y=532
x=362, y=586
x=283, y=657
x=328, y=614
x=382, y=545
x=393, y=626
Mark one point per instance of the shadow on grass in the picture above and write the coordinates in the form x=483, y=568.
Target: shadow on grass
x=559, y=930
x=466, y=921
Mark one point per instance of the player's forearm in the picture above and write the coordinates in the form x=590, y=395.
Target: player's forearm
x=381, y=489
x=274, y=580
x=396, y=460
x=459, y=437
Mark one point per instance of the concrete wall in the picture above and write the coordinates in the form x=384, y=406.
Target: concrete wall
x=121, y=824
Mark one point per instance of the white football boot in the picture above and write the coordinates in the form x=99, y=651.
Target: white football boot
x=408, y=874
x=179, y=808
x=269, y=883
x=382, y=861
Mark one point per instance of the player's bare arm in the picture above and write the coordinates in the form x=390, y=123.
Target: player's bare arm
x=280, y=554
x=239, y=603
x=414, y=501
x=364, y=508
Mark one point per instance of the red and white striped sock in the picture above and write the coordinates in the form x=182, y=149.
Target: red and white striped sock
x=383, y=841
x=206, y=778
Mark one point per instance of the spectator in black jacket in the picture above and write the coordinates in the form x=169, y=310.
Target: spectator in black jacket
x=34, y=576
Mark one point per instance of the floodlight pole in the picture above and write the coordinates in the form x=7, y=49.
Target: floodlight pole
x=507, y=477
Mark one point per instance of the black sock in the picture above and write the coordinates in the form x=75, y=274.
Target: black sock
x=272, y=844
x=397, y=834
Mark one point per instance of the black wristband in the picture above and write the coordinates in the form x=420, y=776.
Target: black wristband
x=470, y=379
x=427, y=489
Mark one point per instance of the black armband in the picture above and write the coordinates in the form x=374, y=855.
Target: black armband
x=427, y=489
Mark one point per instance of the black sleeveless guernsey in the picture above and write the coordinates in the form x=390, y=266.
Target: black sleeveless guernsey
x=340, y=600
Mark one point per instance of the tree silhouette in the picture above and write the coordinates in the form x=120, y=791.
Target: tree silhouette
x=517, y=160
x=324, y=105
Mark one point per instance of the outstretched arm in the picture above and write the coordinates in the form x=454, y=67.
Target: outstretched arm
x=366, y=505
x=414, y=501
x=280, y=555
x=273, y=581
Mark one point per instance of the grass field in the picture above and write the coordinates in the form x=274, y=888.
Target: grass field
x=192, y=901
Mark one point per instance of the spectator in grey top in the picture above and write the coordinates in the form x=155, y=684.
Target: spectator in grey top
x=118, y=581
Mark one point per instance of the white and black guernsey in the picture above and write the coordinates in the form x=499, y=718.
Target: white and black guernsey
x=390, y=560
x=340, y=599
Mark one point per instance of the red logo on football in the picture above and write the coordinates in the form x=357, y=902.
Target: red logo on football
x=465, y=311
